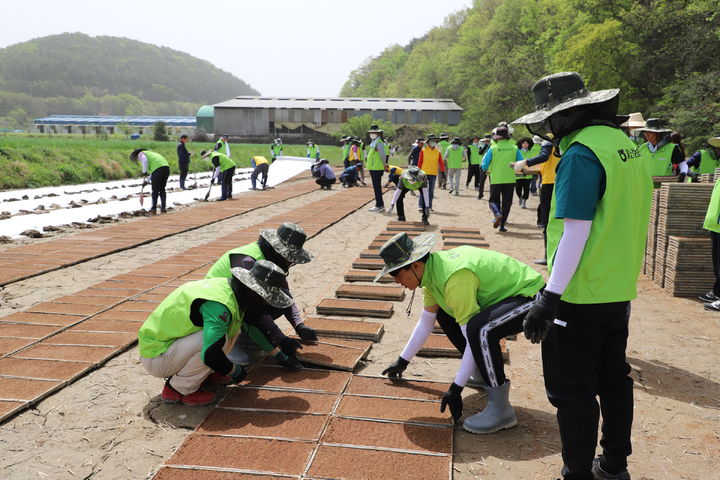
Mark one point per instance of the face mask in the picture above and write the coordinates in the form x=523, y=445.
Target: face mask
x=373, y=136
x=432, y=144
x=455, y=146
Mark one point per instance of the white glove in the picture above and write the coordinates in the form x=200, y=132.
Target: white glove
x=520, y=167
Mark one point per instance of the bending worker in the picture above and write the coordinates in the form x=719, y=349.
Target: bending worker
x=158, y=168
x=283, y=247
x=224, y=171
x=261, y=167
x=412, y=179
x=478, y=297
x=187, y=337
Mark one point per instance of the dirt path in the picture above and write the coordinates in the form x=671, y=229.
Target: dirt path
x=110, y=424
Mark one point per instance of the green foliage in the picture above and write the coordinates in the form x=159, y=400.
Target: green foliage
x=159, y=132
x=358, y=127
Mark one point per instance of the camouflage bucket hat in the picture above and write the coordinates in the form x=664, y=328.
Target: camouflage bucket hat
x=413, y=177
x=288, y=241
x=559, y=92
x=266, y=279
x=401, y=250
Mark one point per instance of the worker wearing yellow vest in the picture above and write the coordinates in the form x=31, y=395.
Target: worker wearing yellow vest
x=596, y=243
x=664, y=154
x=355, y=158
x=431, y=162
x=158, y=168
x=394, y=173
x=262, y=166
x=702, y=161
x=375, y=161
x=455, y=156
x=497, y=162
x=712, y=224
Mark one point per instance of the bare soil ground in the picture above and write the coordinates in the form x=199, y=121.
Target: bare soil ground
x=110, y=424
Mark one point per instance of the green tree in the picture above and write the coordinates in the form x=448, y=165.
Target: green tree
x=358, y=127
x=159, y=132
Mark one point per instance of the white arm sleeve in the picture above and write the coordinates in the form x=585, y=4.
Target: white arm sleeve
x=216, y=174
x=396, y=196
x=467, y=364
x=420, y=334
x=425, y=192
x=684, y=167
x=567, y=257
x=143, y=162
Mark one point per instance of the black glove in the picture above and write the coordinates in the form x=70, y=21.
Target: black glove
x=541, y=315
x=289, y=346
x=238, y=373
x=288, y=362
x=453, y=399
x=306, y=333
x=396, y=369
x=681, y=177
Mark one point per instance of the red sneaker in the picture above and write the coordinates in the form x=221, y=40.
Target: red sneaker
x=198, y=399
x=169, y=394
x=216, y=378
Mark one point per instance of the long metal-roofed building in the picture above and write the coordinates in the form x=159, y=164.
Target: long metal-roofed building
x=112, y=124
x=257, y=118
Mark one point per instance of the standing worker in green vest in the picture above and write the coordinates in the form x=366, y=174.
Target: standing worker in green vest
x=223, y=146
x=375, y=163
x=702, y=161
x=478, y=297
x=188, y=336
x=224, y=171
x=455, y=156
x=312, y=150
x=158, y=168
x=596, y=242
x=345, y=142
x=664, y=154
x=497, y=162
x=276, y=148
x=474, y=159
x=443, y=144
x=712, y=223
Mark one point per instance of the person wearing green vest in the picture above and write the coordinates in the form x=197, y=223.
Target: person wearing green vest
x=455, y=156
x=375, y=162
x=443, y=144
x=595, y=247
x=223, y=146
x=312, y=150
x=522, y=182
x=284, y=248
x=478, y=297
x=473, y=155
x=630, y=127
x=411, y=180
x=483, y=147
x=188, y=336
x=158, y=168
x=712, y=223
x=497, y=162
x=276, y=149
x=535, y=151
x=345, y=142
x=224, y=171
x=664, y=154
x=702, y=161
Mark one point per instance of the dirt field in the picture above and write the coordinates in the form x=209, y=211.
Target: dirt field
x=111, y=425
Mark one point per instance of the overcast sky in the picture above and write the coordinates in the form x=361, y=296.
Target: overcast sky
x=279, y=47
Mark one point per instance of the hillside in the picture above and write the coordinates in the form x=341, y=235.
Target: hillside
x=487, y=57
x=74, y=73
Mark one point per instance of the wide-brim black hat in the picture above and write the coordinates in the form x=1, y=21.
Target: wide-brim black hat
x=655, y=125
x=456, y=140
x=135, y=153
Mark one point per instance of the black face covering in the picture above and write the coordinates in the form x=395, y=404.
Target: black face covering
x=272, y=256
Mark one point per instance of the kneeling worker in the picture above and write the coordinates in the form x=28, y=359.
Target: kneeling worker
x=478, y=297
x=283, y=247
x=187, y=337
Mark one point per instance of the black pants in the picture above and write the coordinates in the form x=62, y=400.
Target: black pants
x=473, y=173
x=400, y=204
x=376, y=177
x=261, y=169
x=226, y=186
x=482, y=176
x=158, y=181
x=501, y=197
x=582, y=361
x=546, y=191
x=522, y=188
x=715, y=238
x=183, y=172
x=325, y=182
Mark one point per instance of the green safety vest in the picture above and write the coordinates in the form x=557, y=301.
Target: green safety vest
x=373, y=161
x=503, y=152
x=526, y=154
x=501, y=276
x=225, y=161
x=474, y=154
x=221, y=268
x=708, y=161
x=443, y=145
x=712, y=217
x=454, y=157
x=173, y=318
x=276, y=149
x=660, y=161
x=412, y=185
x=613, y=255
x=346, y=150
x=155, y=161
x=312, y=151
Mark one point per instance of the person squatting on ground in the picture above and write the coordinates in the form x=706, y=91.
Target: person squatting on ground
x=712, y=224
x=261, y=167
x=596, y=243
x=276, y=149
x=412, y=179
x=186, y=339
x=183, y=160
x=325, y=176
x=394, y=173
x=478, y=297
x=284, y=248
x=431, y=162
x=349, y=176
x=522, y=181
x=376, y=161
x=497, y=162
x=224, y=171
x=455, y=156
x=158, y=168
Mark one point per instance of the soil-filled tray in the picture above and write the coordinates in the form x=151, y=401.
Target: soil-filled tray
x=8, y=345
x=305, y=379
x=407, y=389
x=393, y=409
x=340, y=354
x=366, y=276
x=25, y=330
x=469, y=236
x=43, y=318
x=333, y=462
x=398, y=226
x=66, y=308
x=439, y=345
x=298, y=426
x=24, y=389
x=456, y=242
x=394, y=293
x=374, y=253
x=368, y=263
x=460, y=230
x=97, y=300
x=77, y=353
x=41, y=369
x=114, y=314
x=355, y=308
x=170, y=473
x=354, y=329
x=389, y=435
x=8, y=408
x=136, y=306
x=250, y=454
x=263, y=399
x=94, y=325
x=92, y=338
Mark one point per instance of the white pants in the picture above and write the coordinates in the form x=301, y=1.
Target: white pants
x=182, y=363
x=454, y=178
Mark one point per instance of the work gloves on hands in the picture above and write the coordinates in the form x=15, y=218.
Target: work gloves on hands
x=238, y=373
x=396, y=369
x=541, y=315
x=306, y=333
x=453, y=399
x=289, y=346
x=288, y=362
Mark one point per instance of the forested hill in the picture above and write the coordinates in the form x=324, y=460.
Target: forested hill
x=111, y=74
x=662, y=54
